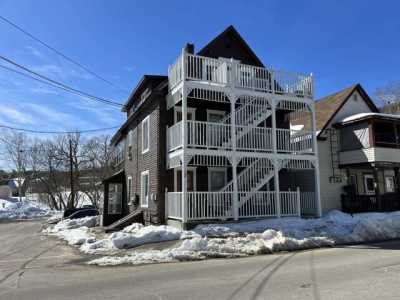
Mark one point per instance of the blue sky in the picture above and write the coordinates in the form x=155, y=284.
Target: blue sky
x=340, y=42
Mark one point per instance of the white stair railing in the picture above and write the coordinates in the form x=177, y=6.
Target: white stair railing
x=250, y=177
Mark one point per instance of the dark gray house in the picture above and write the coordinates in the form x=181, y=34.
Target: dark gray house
x=214, y=140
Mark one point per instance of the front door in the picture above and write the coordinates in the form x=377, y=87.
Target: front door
x=369, y=184
x=216, y=179
x=190, y=180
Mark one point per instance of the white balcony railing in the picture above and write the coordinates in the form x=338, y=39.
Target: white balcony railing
x=294, y=141
x=226, y=72
x=219, y=205
x=219, y=136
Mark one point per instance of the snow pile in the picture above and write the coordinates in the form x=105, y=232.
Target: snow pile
x=137, y=235
x=75, y=231
x=15, y=210
x=267, y=236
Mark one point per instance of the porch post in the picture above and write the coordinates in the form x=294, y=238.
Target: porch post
x=275, y=161
x=317, y=191
x=235, y=195
x=377, y=190
x=184, y=140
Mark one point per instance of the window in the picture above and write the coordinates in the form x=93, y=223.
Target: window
x=191, y=179
x=145, y=188
x=215, y=115
x=130, y=141
x=114, y=198
x=390, y=184
x=178, y=114
x=216, y=179
x=145, y=134
x=129, y=190
x=369, y=184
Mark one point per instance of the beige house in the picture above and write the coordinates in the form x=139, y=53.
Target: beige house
x=359, y=153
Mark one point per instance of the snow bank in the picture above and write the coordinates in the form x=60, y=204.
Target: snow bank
x=267, y=236
x=136, y=235
x=75, y=231
x=14, y=210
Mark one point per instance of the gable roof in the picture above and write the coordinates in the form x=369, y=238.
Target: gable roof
x=327, y=107
x=229, y=44
x=145, y=81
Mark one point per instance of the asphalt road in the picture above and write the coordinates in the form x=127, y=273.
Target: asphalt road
x=37, y=267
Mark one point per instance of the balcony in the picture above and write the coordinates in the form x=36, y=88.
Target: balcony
x=231, y=73
x=370, y=155
x=208, y=135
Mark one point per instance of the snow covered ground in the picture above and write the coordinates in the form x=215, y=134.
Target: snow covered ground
x=228, y=240
x=12, y=209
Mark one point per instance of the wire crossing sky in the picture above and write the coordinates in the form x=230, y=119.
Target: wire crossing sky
x=340, y=42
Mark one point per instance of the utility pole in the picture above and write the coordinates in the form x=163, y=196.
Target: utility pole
x=71, y=176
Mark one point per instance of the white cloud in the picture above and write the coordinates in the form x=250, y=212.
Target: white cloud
x=35, y=52
x=16, y=115
x=43, y=90
x=63, y=72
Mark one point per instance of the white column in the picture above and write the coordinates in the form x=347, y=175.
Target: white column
x=234, y=159
x=184, y=141
x=275, y=161
x=316, y=163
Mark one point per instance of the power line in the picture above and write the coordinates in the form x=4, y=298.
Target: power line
x=61, y=54
x=58, y=132
x=64, y=86
x=52, y=85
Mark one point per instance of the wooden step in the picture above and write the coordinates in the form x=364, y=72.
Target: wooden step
x=136, y=216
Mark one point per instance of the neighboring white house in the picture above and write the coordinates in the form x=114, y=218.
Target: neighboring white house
x=355, y=149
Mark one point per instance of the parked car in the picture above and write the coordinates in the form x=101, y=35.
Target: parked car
x=84, y=213
x=71, y=211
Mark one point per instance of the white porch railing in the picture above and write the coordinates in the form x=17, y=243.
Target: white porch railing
x=174, y=136
x=290, y=203
x=223, y=71
x=258, y=204
x=219, y=205
x=209, y=135
x=294, y=141
x=174, y=208
x=209, y=205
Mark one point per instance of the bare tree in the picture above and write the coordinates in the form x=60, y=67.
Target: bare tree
x=96, y=155
x=15, y=146
x=390, y=96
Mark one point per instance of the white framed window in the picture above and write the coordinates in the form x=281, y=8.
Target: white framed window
x=215, y=115
x=390, y=184
x=191, y=113
x=217, y=178
x=129, y=190
x=146, y=134
x=191, y=179
x=130, y=142
x=145, y=189
x=369, y=184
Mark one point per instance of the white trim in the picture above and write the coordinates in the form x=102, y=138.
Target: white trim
x=210, y=169
x=393, y=181
x=129, y=190
x=147, y=119
x=216, y=112
x=191, y=110
x=144, y=173
x=194, y=169
x=368, y=192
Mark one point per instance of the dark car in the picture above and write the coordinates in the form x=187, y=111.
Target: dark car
x=71, y=211
x=84, y=213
